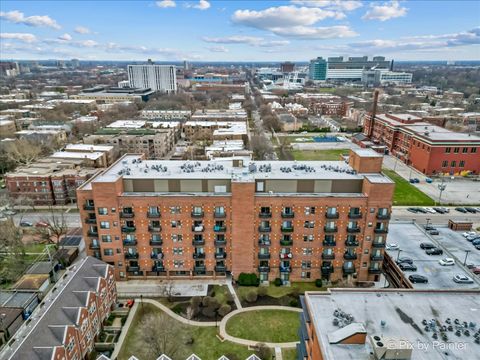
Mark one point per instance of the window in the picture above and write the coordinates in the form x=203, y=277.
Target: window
x=175, y=210
x=197, y=210
x=453, y=163
x=309, y=237
x=108, y=252
x=474, y=150
x=309, y=224
x=176, y=223
x=464, y=150
x=307, y=251
x=456, y=150
x=306, y=264
x=306, y=274
x=106, y=238
x=444, y=163
x=462, y=163
x=265, y=210
x=309, y=210
x=260, y=186
x=177, y=251
x=178, y=237
x=178, y=263
x=153, y=210
x=102, y=211
x=447, y=150
x=104, y=225
x=219, y=210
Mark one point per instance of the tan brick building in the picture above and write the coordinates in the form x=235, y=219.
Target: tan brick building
x=295, y=221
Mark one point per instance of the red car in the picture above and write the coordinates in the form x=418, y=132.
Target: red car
x=476, y=270
x=41, y=224
x=129, y=303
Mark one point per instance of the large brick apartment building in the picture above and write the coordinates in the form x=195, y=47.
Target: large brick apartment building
x=65, y=325
x=428, y=148
x=295, y=221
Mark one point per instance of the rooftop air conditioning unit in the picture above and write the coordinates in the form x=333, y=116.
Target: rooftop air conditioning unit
x=391, y=348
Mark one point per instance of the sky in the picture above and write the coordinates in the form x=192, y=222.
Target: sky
x=207, y=30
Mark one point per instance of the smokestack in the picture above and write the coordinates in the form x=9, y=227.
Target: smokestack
x=373, y=113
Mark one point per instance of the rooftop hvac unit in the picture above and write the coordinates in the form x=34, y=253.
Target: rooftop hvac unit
x=391, y=348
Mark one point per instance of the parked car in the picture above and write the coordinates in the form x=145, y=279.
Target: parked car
x=462, y=279
x=414, y=180
x=404, y=260
x=426, y=246
x=446, y=262
x=413, y=209
x=415, y=278
x=476, y=270
x=407, y=267
x=429, y=227
x=26, y=223
x=434, y=232
x=392, y=246
x=429, y=210
x=41, y=224
x=129, y=303
x=428, y=180
x=477, y=247
x=473, y=237
x=9, y=212
x=471, y=210
x=434, y=251
x=476, y=242
x=468, y=233
x=441, y=210
x=423, y=211
x=461, y=209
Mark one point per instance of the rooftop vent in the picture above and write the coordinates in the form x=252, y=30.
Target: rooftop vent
x=390, y=348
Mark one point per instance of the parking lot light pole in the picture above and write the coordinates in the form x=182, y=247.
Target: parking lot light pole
x=442, y=186
x=466, y=255
x=398, y=254
x=428, y=223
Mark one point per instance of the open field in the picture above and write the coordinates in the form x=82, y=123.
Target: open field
x=406, y=193
x=321, y=155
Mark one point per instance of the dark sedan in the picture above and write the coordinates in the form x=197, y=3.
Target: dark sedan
x=434, y=251
x=418, y=279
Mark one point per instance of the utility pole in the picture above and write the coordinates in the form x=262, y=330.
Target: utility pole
x=466, y=255
x=442, y=186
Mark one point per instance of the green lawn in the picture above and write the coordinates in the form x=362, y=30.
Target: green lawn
x=34, y=248
x=265, y=325
x=405, y=193
x=205, y=345
x=324, y=155
x=221, y=292
x=279, y=291
x=289, y=354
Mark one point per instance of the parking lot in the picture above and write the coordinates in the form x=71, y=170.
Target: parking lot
x=409, y=236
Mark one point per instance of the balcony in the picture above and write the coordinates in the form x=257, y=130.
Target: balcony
x=328, y=256
x=157, y=242
x=335, y=215
x=220, y=268
x=329, y=243
x=219, y=215
x=129, y=242
x=197, y=215
x=264, y=229
x=350, y=256
x=288, y=215
x=380, y=231
x=127, y=215
x=88, y=207
x=383, y=216
x=264, y=269
x=378, y=244
x=288, y=255
x=221, y=255
x=153, y=215
x=218, y=228
x=128, y=229
x=376, y=257
x=91, y=220
x=348, y=270
x=352, y=230
x=156, y=256
x=286, y=228
x=373, y=270
x=198, y=228
x=199, y=255
x=92, y=233
x=354, y=215
x=94, y=246
x=327, y=267
x=286, y=242
x=131, y=255
x=220, y=241
x=200, y=269
x=330, y=229
x=154, y=228
x=198, y=242
x=263, y=256
x=285, y=269
x=265, y=215
x=158, y=268
x=352, y=243
x=133, y=268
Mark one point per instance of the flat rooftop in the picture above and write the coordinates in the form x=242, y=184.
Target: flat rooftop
x=128, y=124
x=95, y=155
x=403, y=312
x=367, y=153
x=438, y=133
x=88, y=147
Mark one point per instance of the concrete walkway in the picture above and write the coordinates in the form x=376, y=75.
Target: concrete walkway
x=245, y=342
x=125, y=328
x=278, y=353
x=238, y=304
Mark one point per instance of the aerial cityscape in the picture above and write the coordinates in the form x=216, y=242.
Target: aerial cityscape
x=240, y=180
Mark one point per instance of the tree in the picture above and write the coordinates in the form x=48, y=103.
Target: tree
x=12, y=252
x=54, y=227
x=162, y=335
x=263, y=351
x=168, y=289
x=22, y=152
x=260, y=147
x=262, y=291
x=251, y=296
x=224, y=310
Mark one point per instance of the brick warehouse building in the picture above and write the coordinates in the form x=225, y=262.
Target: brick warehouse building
x=296, y=221
x=428, y=148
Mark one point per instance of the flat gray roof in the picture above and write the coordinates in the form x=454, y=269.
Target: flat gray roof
x=403, y=312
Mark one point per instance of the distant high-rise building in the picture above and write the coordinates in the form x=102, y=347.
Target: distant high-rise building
x=352, y=68
x=75, y=63
x=186, y=65
x=318, y=69
x=287, y=67
x=156, y=77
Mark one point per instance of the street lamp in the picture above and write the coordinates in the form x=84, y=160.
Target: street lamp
x=466, y=255
x=442, y=186
x=428, y=223
x=398, y=254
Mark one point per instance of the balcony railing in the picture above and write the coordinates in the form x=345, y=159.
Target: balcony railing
x=354, y=215
x=263, y=256
x=285, y=269
x=198, y=228
x=90, y=220
x=200, y=269
x=327, y=268
x=264, y=229
x=220, y=241
x=378, y=244
x=219, y=215
x=156, y=242
x=129, y=242
x=197, y=214
x=350, y=256
x=133, y=268
x=329, y=243
x=286, y=242
x=288, y=255
x=94, y=246
x=88, y=207
x=199, y=255
x=217, y=228
x=158, y=268
x=127, y=215
x=383, y=216
x=328, y=256
x=264, y=269
x=221, y=255
x=330, y=229
x=352, y=243
x=380, y=231
x=264, y=242
x=198, y=241
x=265, y=215
x=128, y=229
x=376, y=257
x=92, y=232
x=156, y=256
x=374, y=270
x=153, y=215
x=131, y=255
x=348, y=269
x=351, y=230
x=335, y=215
x=288, y=215
x=220, y=268
x=154, y=228
x=286, y=228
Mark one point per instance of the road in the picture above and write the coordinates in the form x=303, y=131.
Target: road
x=400, y=213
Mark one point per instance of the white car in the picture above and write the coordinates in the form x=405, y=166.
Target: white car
x=446, y=262
x=429, y=210
x=392, y=246
x=462, y=279
x=469, y=233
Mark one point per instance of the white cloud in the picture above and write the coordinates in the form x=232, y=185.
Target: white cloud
x=309, y=32
x=166, y=4
x=201, y=5
x=218, y=49
x=385, y=12
x=25, y=37
x=346, y=5
x=235, y=39
x=273, y=43
x=88, y=43
x=18, y=17
x=82, y=30
x=65, y=37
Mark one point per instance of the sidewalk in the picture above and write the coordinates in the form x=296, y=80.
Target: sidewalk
x=124, y=332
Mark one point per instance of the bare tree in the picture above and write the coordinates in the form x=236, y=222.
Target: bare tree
x=168, y=289
x=260, y=147
x=12, y=251
x=54, y=226
x=22, y=152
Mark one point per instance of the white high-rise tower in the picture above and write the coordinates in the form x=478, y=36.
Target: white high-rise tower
x=156, y=77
